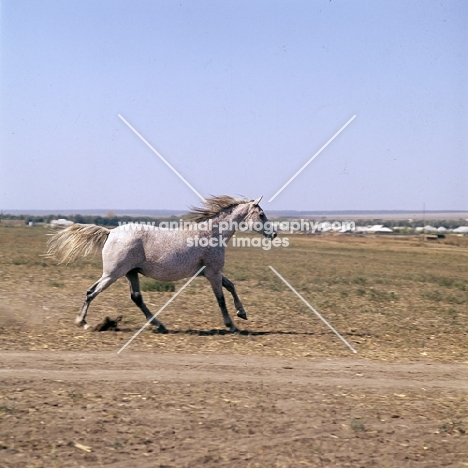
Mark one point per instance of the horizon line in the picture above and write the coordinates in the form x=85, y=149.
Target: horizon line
x=147, y=210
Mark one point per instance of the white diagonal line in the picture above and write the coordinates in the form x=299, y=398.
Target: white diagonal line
x=160, y=310
x=313, y=310
x=312, y=158
x=161, y=158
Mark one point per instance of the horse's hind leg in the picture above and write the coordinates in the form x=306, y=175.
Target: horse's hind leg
x=216, y=280
x=229, y=285
x=137, y=298
x=103, y=283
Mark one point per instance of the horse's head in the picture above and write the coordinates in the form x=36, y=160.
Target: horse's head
x=259, y=220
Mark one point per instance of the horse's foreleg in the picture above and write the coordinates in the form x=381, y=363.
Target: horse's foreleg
x=103, y=283
x=229, y=285
x=216, y=282
x=137, y=298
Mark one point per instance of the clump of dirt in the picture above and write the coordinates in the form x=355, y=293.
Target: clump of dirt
x=108, y=324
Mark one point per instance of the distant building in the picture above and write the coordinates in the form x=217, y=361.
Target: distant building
x=378, y=229
x=60, y=223
x=461, y=230
x=428, y=228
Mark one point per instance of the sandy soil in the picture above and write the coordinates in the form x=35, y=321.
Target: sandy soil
x=88, y=409
x=286, y=392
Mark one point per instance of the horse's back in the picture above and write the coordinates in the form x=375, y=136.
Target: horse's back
x=159, y=254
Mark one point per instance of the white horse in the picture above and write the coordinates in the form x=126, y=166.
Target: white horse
x=165, y=255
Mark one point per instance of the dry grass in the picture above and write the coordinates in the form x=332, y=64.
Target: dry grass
x=392, y=299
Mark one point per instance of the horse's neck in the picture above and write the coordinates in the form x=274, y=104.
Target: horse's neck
x=233, y=218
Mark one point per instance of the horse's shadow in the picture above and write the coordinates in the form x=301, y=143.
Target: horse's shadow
x=216, y=331
x=109, y=324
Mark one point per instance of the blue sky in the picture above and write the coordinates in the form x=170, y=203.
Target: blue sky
x=237, y=96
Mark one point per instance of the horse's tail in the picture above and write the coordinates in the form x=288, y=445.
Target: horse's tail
x=78, y=240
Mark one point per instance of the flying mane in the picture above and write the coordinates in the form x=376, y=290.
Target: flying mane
x=214, y=205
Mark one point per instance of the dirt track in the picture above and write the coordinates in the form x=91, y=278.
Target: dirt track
x=216, y=410
x=142, y=367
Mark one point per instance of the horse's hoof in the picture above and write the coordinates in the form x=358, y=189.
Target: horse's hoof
x=161, y=329
x=81, y=324
x=241, y=314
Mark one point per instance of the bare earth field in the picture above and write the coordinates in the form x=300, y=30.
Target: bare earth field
x=283, y=393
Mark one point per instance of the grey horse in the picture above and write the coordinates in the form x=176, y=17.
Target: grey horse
x=164, y=254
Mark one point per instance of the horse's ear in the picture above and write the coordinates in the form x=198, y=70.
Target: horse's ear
x=257, y=201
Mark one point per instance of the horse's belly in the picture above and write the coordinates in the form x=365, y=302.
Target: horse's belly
x=169, y=271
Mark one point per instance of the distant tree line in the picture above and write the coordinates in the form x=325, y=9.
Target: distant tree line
x=406, y=223
x=110, y=221
x=447, y=223
x=113, y=220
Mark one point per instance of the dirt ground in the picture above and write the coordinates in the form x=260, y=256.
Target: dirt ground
x=71, y=409
x=286, y=392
